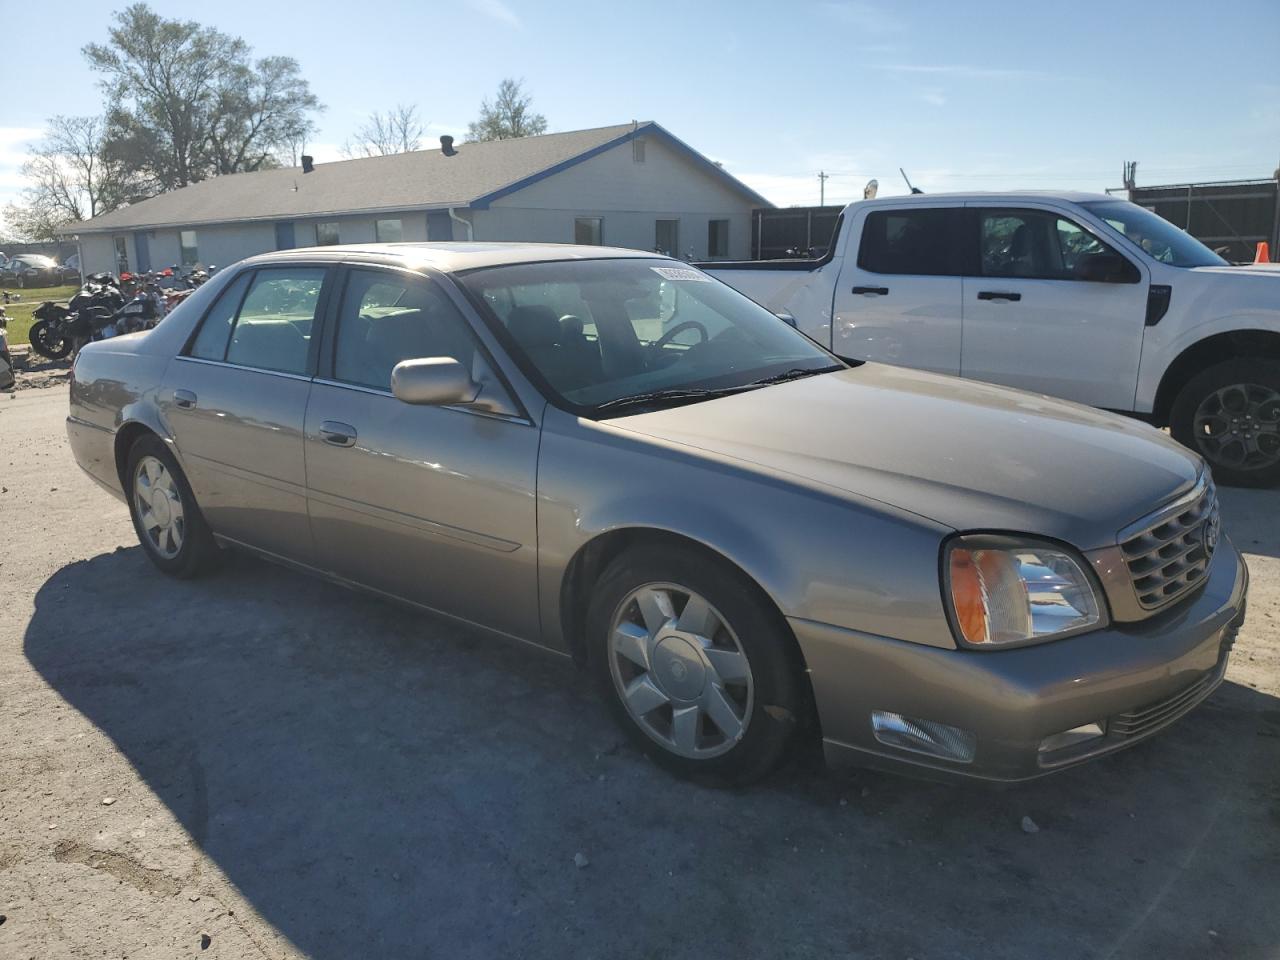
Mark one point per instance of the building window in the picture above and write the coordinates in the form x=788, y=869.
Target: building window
x=666, y=237
x=122, y=255
x=187, y=244
x=327, y=234
x=717, y=238
x=637, y=149
x=388, y=231
x=588, y=231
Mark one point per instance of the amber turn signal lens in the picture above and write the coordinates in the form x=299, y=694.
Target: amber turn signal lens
x=966, y=597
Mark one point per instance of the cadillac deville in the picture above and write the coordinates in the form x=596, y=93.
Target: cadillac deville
x=745, y=538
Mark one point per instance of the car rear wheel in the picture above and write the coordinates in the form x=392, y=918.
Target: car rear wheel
x=695, y=664
x=1230, y=414
x=166, y=517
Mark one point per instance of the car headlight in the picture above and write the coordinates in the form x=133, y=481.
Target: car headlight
x=1005, y=591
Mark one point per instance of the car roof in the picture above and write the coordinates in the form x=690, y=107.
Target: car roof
x=452, y=257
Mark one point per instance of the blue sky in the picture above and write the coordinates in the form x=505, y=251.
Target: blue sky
x=963, y=95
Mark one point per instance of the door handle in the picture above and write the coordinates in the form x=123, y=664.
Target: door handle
x=184, y=399
x=874, y=291
x=337, y=433
x=998, y=295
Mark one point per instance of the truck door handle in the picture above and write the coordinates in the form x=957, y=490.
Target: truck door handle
x=997, y=295
x=184, y=399
x=874, y=291
x=337, y=433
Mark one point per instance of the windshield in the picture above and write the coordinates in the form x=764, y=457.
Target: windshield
x=1157, y=236
x=607, y=336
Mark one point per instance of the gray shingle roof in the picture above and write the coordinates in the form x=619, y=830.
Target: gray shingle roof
x=423, y=179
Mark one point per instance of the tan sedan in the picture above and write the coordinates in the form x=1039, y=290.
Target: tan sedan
x=745, y=538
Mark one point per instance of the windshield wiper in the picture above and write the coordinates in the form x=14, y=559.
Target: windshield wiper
x=674, y=394
x=693, y=394
x=795, y=373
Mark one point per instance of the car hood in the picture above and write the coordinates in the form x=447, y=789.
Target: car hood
x=968, y=455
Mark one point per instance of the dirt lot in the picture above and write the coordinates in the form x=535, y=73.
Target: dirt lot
x=288, y=770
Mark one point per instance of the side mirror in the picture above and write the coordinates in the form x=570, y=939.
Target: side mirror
x=433, y=381
x=788, y=319
x=1106, y=268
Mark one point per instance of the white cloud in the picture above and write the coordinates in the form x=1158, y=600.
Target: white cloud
x=934, y=97
x=496, y=10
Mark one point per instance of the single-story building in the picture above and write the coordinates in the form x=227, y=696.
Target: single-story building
x=633, y=185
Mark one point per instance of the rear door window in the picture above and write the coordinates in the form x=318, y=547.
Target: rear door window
x=274, y=326
x=211, y=342
x=923, y=242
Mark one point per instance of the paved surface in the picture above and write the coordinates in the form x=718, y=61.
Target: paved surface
x=297, y=770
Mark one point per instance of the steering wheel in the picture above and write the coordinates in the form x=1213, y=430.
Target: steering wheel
x=679, y=328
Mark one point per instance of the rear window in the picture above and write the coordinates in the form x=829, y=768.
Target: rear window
x=920, y=242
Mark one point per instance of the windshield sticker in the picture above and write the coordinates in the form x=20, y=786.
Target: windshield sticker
x=681, y=273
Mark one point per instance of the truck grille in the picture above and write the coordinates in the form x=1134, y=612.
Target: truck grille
x=1168, y=553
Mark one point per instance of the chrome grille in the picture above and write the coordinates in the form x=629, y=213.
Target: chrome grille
x=1168, y=552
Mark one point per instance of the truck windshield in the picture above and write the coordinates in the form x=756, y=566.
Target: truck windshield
x=614, y=336
x=1157, y=236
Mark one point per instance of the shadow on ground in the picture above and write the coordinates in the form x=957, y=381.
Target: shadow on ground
x=380, y=783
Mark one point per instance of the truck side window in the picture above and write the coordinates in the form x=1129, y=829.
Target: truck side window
x=1034, y=245
x=920, y=242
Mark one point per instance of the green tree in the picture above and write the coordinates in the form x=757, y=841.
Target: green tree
x=508, y=116
x=188, y=102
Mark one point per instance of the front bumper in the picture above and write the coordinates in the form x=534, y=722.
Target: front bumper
x=1134, y=679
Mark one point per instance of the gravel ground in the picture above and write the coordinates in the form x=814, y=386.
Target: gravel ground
x=259, y=764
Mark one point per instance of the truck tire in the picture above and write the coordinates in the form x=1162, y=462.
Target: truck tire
x=1230, y=414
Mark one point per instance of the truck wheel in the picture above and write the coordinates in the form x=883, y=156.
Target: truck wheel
x=694, y=663
x=1230, y=414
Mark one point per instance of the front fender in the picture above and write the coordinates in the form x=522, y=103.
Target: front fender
x=819, y=554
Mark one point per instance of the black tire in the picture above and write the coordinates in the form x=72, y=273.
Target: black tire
x=44, y=343
x=780, y=698
x=198, y=553
x=1260, y=377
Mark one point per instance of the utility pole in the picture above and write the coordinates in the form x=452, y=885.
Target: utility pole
x=822, y=188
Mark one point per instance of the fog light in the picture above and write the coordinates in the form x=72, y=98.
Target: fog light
x=1069, y=738
x=924, y=736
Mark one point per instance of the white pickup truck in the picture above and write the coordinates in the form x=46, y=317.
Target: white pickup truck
x=1081, y=296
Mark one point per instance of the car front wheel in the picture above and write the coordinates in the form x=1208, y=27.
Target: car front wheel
x=695, y=664
x=1230, y=414
x=165, y=515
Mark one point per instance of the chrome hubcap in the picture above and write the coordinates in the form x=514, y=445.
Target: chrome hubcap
x=159, y=506
x=1239, y=426
x=680, y=671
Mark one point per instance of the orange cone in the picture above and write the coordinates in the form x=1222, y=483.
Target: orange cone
x=1264, y=252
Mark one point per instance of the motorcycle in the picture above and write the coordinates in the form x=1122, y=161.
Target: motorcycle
x=93, y=314
x=6, y=358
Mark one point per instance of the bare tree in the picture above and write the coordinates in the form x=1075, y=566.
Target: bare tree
x=508, y=116
x=399, y=130
x=73, y=176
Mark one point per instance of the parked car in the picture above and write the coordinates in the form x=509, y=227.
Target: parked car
x=1079, y=296
x=31, y=270
x=742, y=536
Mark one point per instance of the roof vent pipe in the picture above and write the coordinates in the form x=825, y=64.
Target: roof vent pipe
x=308, y=163
x=446, y=146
